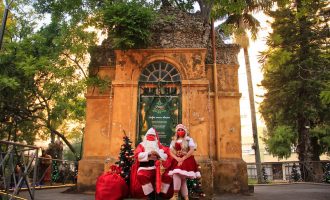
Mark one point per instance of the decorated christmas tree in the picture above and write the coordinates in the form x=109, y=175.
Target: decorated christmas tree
x=326, y=176
x=264, y=175
x=195, y=188
x=295, y=176
x=55, y=171
x=126, y=158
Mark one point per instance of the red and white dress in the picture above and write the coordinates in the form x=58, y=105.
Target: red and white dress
x=189, y=167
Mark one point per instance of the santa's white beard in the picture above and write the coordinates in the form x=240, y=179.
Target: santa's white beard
x=150, y=145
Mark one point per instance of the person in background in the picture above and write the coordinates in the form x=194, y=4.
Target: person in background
x=45, y=167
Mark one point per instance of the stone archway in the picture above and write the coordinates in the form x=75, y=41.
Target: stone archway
x=159, y=100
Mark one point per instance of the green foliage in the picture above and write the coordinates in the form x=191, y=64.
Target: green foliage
x=68, y=155
x=195, y=188
x=129, y=23
x=237, y=16
x=296, y=73
x=322, y=134
x=281, y=140
x=326, y=176
x=43, y=70
x=325, y=95
x=102, y=84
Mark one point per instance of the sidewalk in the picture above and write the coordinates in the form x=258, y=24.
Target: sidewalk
x=302, y=191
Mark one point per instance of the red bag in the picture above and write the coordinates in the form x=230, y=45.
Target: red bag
x=111, y=186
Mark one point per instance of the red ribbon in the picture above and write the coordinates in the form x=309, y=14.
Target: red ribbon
x=158, y=177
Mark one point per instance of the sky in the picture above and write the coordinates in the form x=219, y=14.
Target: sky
x=254, y=50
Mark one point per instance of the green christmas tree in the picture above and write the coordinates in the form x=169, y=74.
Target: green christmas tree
x=326, y=176
x=264, y=175
x=55, y=171
x=126, y=158
x=295, y=176
x=195, y=188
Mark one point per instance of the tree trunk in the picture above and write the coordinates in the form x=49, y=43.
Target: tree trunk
x=205, y=7
x=66, y=142
x=304, y=150
x=310, y=167
x=253, y=114
x=52, y=137
x=308, y=152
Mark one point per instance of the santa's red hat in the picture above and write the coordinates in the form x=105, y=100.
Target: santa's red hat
x=151, y=131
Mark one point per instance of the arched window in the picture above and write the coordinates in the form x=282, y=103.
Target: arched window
x=159, y=102
x=160, y=72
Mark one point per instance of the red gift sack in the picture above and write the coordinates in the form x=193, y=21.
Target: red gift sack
x=111, y=186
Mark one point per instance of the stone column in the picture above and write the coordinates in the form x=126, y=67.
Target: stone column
x=230, y=171
x=97, y=134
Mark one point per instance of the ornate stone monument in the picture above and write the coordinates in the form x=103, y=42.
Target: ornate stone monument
x=168, y=83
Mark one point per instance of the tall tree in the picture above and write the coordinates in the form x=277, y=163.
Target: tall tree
x=296, y=71
x=45, y=70
x=238, y=20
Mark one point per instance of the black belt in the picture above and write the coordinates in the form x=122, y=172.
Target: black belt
x=150, y=163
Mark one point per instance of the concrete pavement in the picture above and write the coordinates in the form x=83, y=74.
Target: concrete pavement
x=301, y=191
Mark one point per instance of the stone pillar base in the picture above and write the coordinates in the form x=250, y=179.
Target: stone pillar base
x=230, y=176
x=89, y=170
x=206, y=169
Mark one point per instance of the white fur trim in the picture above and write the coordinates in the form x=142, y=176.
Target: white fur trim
x=143, y=157
x=188, y=174
x=151, y=131
x=147, y=188
x=146, y=168
x=163, y=156
x=165, y=187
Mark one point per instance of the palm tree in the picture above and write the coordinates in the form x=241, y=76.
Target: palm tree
x=238, y=23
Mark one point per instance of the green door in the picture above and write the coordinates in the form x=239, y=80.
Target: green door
x=159, y=104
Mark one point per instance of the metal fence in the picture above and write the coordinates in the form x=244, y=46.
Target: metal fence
x=292, y=171
x=22, y=169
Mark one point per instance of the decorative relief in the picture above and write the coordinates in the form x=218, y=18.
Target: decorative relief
x=193, y=65
x=227, y=79
x=233, y=147
x=104, y=132
x=196, y=118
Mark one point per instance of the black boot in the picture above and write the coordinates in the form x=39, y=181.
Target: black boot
x=151, y=196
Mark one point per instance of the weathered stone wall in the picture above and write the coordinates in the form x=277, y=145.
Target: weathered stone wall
x=174, y=29
x=177, y=29
x=226, y=53
x=102, y=55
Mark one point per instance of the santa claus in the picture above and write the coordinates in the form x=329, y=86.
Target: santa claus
x=147, y=153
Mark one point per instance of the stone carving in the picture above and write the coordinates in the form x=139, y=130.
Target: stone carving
x=233, y=147
x=193, y=66
x=227, y=79
x=196, y=118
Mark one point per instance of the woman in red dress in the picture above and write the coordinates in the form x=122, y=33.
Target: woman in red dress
x=184, y=165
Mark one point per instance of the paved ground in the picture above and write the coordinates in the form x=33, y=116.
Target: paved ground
x=267, y=192
x=284, y=192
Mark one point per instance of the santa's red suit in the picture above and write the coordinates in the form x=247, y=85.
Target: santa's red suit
x=147, y=153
